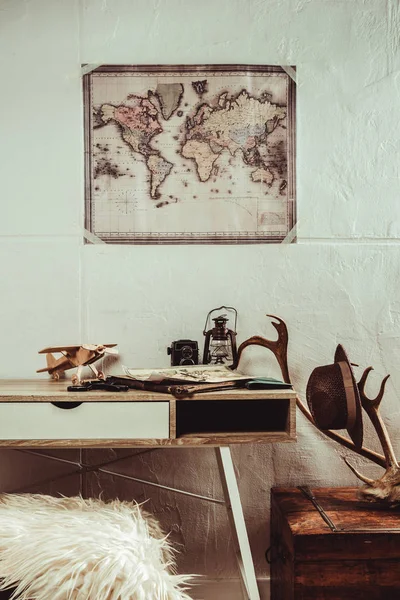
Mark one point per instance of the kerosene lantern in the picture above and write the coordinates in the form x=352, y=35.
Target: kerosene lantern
x=220, y=342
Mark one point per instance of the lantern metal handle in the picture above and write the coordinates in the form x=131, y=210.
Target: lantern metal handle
x=220, y=308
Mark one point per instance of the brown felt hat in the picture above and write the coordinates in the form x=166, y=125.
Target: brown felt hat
x=333, y=397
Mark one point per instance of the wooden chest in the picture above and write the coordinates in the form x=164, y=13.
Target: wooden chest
x=329, y=546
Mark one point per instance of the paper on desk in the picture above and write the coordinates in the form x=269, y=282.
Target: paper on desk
x=191, y=373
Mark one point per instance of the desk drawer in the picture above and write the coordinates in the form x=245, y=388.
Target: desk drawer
x=89, y=420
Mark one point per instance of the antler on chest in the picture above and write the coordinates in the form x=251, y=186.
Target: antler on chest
x=387, y=487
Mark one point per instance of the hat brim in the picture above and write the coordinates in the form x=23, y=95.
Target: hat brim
x=357, y=431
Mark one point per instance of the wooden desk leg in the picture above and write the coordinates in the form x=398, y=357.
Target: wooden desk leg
x=236, y=521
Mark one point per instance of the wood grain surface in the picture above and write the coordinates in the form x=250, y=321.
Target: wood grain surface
x=219, y=439
x=361, y=559
x=44, y=390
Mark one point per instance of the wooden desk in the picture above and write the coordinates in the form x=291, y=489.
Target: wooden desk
x=29, y=417
x=43, y=414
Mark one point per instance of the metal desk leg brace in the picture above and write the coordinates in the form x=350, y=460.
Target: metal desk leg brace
x=236, y=520
x=231, y=501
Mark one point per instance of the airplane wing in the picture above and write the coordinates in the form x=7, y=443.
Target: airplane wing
x=94, y=347
x=58, y=349
x=71, y=348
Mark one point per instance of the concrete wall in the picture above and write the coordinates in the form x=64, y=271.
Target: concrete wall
x=339, y=283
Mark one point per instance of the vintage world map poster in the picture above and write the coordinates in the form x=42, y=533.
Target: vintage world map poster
x=190, y=154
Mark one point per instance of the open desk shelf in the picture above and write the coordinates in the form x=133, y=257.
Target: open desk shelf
x=231, y=416
x=237, y=416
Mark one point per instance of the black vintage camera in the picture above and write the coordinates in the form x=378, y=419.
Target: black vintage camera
x=184, y=352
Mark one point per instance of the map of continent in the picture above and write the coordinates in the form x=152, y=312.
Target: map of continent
x=139, y=123
x=176, y=158
x=239, y=123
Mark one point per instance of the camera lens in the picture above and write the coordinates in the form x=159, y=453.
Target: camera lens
x=187, y=361
x=187, y=352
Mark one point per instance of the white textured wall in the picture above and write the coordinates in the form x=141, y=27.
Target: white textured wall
x=338, y=284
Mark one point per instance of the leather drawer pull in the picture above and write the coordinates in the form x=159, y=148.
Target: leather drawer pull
x=67, y=405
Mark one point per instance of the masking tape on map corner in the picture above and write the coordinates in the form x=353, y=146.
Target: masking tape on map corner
x=85, y=69
x=291, y=236
x=290, y=71
x=91, y=237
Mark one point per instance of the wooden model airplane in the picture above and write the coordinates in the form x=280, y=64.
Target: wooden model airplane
x=75, y=356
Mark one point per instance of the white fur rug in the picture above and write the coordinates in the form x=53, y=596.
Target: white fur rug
x=78, y=549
